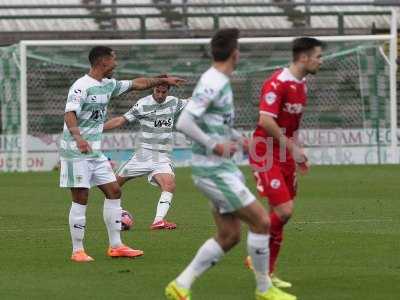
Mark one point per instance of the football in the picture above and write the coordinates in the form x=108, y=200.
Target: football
x=126, y=220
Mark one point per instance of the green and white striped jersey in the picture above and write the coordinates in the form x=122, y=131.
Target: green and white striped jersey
x=156, y=121
x=213, y=110
x=89, y=98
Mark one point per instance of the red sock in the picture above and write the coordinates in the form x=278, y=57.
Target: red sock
x=275, y=240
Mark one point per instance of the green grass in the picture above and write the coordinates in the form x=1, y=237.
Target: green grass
x=343, y=242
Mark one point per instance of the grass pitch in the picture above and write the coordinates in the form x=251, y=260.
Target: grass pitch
x=343, y=242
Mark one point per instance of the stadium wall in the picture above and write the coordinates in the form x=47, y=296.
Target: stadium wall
x=323, y=147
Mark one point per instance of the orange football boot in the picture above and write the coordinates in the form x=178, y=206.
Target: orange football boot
x=163, y=224
x=81, y=256
x=124, y=251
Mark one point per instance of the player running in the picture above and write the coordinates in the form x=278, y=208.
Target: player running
x=208, y=120
x=275, y=154
x=83, y=165
x=156, y=114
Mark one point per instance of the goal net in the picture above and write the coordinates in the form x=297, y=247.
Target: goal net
x=347, y=119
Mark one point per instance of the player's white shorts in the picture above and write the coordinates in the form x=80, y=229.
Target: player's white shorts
x=147, y=162
x=86, y=173
x=226, y=191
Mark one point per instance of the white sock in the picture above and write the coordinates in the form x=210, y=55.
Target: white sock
x=258, y=249
x=207, y=256
x=77, y=224
x=163, y=206
x=112, y=218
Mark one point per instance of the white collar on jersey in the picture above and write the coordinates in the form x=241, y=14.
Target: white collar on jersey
x=286, y=75
x=93, y=79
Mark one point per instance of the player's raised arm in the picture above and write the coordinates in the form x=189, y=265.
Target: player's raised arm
x=115, y=123
x=144, y=83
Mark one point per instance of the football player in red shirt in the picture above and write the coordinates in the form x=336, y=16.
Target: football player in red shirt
x=274, y=154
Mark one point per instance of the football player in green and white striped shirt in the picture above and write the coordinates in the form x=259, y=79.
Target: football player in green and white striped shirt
x=208, y=120
x=156, y=114
x=83, y=165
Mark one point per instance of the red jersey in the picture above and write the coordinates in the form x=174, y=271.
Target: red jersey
x=283, y=97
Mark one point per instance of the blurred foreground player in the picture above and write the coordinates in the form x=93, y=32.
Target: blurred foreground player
x=208, y=120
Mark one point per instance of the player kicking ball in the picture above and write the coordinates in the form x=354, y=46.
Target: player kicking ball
x=83, y=165
x=208, y=120
x=274, y=155
x=156, y=114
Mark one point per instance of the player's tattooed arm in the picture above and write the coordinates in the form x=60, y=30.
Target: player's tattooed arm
x=144, y=83
x=72, y=124
x=115, y=123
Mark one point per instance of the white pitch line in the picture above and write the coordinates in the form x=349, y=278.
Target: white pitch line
x=212, y=225
x=34, y=229
x=346, y=221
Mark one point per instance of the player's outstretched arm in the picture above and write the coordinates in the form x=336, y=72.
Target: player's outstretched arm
x=72, y=123
x=115, y=123
x=144, y=83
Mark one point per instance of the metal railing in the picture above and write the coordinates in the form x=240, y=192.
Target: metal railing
x=305, y=3
x=215, y=16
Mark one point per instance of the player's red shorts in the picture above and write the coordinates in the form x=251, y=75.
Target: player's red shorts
x=275, y=179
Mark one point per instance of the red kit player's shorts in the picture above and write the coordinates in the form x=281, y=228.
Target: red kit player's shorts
x=275, y=179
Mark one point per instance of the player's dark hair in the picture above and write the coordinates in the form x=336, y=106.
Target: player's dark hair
x=223, y=43
x=304, y=45
x=99, y=52
x=163, y=76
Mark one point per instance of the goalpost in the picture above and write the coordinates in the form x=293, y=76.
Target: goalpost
x=355, y=92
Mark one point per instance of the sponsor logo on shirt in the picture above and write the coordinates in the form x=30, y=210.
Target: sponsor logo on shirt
x=76, y=96
x=270, y=98
x=163, y=123
x=293, y=108
x=275, y=183
x=208, y=91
